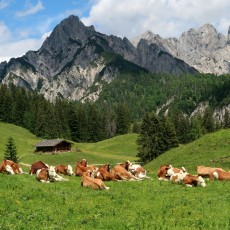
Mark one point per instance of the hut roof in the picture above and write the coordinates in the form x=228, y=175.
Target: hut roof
x=52, y=142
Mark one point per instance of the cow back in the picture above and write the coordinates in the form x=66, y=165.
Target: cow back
x=37, y=165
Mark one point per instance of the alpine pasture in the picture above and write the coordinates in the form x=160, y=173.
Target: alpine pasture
x=147, y=204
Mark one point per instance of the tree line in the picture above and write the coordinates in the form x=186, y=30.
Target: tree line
x=62, y=119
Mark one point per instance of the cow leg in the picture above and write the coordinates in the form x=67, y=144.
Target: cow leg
x=45, y=181
x=189, y=185
x=59, y=178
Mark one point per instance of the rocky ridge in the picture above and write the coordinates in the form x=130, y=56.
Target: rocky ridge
x=204, y=48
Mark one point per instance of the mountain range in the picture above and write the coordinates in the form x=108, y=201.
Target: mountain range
x=75, y=61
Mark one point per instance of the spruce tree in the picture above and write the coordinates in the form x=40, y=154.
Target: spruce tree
x=168, y=137
x=123, y=119
x=196, y=128
x=226, y=120
x=208, y=121
x=11, y=151
x=149, y=145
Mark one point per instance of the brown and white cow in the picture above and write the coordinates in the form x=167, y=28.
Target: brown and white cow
x=220, y=175
x=104, y=174
x=8, y=166
x=162, y=172
x=194, y=181
x=82, y=166
x=172, y=170
x=206, y=171
x=178, y=177
x=36, y=166
x=138, y=171
x=94, y=183
x=64, y=169
x=122, y=171
x=48, y=175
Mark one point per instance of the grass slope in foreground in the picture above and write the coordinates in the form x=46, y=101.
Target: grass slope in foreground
x=149, y=204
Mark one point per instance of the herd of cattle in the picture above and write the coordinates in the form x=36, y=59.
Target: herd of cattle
x=94, y=177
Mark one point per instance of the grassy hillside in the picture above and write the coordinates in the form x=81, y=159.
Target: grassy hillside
x=114, y=150
x=210, y=150
x=147, y=204
x=24, y=140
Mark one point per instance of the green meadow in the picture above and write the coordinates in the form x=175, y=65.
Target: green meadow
x=148, y=204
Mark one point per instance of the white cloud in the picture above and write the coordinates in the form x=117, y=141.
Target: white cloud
x=4, y=32
x=30, y=9
x=19, y=48
x=4, y=4
x=168, y=18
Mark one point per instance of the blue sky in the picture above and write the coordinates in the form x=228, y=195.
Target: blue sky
x=24, y=24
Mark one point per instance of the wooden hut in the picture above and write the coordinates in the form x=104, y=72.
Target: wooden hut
x=54, y=145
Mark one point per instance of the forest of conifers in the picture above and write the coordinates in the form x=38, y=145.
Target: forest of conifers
x=122, y=104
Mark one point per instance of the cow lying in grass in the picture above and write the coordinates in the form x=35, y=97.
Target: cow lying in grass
x=8, y=166
x=188, y=179
x=181, y=176
x=82, y=166
x=166, y=171
x=64, y=170
x=220, y=175
x=138, y=171
x=94, y=183
x=36, y=166
x=206, y=171
x=48, y=175
x=122, y=171
x=105, y=174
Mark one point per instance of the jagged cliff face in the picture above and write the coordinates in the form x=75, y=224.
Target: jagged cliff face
x=75, y=62
x=204, y=48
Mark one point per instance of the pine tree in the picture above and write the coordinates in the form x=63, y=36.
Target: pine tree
x=136, y=127
x=11, y=151
x=208, y=121
x=168, y=136
x=149, y=146
x=196, y=128
x=95, y=126
x=182, y=126
x=226, y=120
x=123, y=119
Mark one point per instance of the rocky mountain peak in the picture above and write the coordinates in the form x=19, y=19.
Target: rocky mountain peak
x=70, y=30
x=148, y=36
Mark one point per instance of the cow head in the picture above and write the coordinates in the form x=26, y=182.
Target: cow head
x=162, y=172
x=201, y=181
x=88, y=173
x=107, y=167
x=69, y=170
x=83, y=162
x=169, y=170
x=52, y=172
